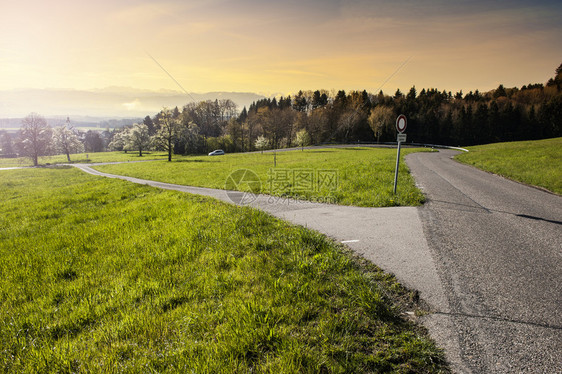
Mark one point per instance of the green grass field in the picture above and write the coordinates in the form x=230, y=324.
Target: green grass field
x=538, y=163
x=101, y=275
x=365, y=176
x=83, y=158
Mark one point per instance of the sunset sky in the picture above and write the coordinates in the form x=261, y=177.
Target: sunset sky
x=278, y=46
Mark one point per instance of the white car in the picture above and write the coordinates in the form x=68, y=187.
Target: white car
x=217, y=152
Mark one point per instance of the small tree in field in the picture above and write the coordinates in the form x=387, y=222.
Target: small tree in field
x=118, y=141
x=66, y=140
x=262, y=143
x=168, y=132
x=34, y=137
x=302, y=138
x=381, y=118
x=138, y=137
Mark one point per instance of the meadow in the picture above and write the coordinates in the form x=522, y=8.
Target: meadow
x=101, y=275
x=91, y=157
x=364, y=176
x=536, y=163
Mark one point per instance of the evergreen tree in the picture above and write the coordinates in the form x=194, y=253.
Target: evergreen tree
x=316, y=100
x=411, y=96
x=243, y=116
x=149, y=125
x=499, y=92
x=300, y=103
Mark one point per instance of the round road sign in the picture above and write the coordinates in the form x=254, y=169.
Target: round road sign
x=401, y=123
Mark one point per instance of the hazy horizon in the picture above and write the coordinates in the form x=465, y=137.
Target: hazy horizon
x=122, y=102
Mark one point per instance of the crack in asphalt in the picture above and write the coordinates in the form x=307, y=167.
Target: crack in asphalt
x=499, y=319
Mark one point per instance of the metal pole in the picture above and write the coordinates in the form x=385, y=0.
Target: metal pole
x=396, y=171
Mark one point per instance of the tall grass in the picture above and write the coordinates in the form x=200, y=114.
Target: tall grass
x=99, y=275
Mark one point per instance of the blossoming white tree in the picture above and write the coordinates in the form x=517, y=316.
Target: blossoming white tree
x=66, y=140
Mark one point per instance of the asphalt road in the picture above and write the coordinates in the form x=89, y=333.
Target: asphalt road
x=497, y=246
x=484, y=252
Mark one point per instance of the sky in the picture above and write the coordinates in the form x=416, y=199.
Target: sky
x=278, y=47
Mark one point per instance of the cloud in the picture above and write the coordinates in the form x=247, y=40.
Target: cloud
x=296, y=72
x=277, y=46
x=133, y=105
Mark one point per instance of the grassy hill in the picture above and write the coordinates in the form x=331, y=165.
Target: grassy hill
x=101, y=275
x=538, y=163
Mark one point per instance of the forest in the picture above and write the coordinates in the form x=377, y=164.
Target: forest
x=531, y=112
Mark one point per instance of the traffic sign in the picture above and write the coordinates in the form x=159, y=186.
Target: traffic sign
x=401, y=123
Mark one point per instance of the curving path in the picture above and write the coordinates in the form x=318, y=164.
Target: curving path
x=484, y=252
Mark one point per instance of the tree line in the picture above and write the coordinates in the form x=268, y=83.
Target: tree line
x=36, y=139
x=533, y=111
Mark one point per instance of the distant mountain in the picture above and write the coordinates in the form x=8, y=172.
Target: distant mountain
x=111, y=102
x=13, y=124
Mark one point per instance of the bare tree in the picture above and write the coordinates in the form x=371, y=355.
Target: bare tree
x=34, y=137
x=276, y=124
x=317, y=124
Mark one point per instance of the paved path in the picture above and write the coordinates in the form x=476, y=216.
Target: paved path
x=485, y=254
x=498, y=249
x=392, y=238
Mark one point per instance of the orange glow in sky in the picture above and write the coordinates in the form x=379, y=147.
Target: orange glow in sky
x=278, y=47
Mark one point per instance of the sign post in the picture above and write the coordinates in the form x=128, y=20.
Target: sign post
x=401, y=124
